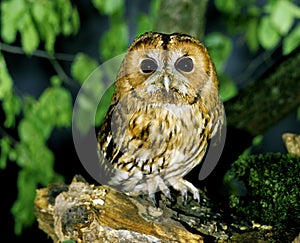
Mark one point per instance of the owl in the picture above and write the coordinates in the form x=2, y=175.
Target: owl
x=164, y=111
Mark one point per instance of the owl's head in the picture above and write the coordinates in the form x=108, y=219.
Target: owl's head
x=167, y=65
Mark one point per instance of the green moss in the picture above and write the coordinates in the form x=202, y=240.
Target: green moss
x=273, y=188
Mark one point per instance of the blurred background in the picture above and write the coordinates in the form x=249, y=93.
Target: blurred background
x=48, y=49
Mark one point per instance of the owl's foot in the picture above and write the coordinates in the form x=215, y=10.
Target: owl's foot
x=157, y=184
x=153, y=199
x=184, y=186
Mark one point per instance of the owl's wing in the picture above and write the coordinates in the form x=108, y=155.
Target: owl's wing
x=107, y=151
x=216, y=144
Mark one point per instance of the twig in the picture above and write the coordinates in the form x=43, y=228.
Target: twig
x=43, y=54
x=37, y=53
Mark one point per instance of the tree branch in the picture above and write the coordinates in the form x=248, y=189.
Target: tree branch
x=83, y=212
x=37, y=53
x=267, y=100
x=43, y=54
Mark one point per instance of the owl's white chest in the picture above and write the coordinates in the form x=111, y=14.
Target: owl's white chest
x=164, y=142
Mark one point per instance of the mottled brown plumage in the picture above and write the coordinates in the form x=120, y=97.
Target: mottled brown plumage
x=164, y=111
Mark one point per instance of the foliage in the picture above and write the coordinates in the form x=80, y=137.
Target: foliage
x=273, y=188
x=36, y=21
x=264, y=24
x=220, y=48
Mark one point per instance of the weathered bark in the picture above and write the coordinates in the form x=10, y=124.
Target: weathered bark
x=83, y=212
x=86, y=213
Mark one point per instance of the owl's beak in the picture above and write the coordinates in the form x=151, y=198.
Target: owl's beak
x=167, y=83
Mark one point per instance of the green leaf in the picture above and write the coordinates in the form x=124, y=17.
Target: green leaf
x=55, y=107
x=29, y=35
x=220, y=47
x=251, y=35
x=154, y=7
x=50, y=40
x=267, y=35
x=55, y=81
x=40, y=161
x=282, y=17
x=291, y=41
x=36, y=161
x=39, y=11
x=12, y=107
x=108, y=7
x=115, y=41
x=227, y=6
x=28, y=131
x=75, y=21
x=257, y=140
x=51, y=28
x=83, y=66
x=295, y=10
x=5, y=150
x=69, y=17
x=228, y=88
x=66, y=11
x=144, y=23
x=11, y=12
x=5, y=79
x=23, y=207
x=63, y=105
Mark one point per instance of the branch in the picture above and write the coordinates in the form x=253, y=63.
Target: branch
x=43, y=54
x=86, y=213
x=37, y=53
x=267, y=100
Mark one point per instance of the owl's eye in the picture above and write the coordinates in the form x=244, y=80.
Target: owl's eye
x=184, y=64
x=148, y=65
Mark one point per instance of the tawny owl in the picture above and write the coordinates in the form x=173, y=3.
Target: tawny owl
x=165, y=109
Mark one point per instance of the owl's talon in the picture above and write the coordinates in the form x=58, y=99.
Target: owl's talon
x=184, y=186
x=153, y=200
x=196, y=196
x=167, y=193
x=184, y=193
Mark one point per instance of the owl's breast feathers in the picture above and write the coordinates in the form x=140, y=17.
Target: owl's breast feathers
x=162, y=138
